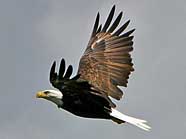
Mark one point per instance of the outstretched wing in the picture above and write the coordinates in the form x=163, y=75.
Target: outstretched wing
x=63, y=79
x=106, y=62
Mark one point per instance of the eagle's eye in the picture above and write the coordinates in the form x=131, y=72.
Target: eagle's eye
x=46, y=92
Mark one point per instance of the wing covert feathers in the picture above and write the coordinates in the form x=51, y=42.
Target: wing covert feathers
x=107, y=62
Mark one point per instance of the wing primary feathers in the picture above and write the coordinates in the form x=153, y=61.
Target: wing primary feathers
x=59, y=79
x=121, y=29
x=121, y=41
x=95, y=25
x=99, y=29
x=68, y=72
x=109, y=19
x=53, y=67
x=61, y=69
x=53, y=75
x=116, y=22
x=128, y=33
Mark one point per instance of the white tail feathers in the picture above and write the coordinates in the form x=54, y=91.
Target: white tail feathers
x=134, y=121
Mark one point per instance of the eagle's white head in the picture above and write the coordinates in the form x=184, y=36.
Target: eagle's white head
x=51, y=95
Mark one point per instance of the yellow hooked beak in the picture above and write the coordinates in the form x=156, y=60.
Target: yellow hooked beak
x=41, y=94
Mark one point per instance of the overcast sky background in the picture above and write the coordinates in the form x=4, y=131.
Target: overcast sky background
x=34, y=33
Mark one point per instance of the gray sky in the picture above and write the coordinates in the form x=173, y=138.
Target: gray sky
x=34, y=33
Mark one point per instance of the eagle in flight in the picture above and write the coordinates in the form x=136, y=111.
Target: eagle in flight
x=105, y=65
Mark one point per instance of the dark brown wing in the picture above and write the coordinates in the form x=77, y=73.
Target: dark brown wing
x=61, y=79
x=106, y=62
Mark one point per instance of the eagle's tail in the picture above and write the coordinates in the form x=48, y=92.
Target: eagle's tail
x=121, y=118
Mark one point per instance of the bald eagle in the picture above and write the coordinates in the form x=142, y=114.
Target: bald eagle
x=105, y=65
